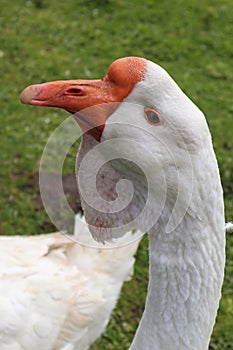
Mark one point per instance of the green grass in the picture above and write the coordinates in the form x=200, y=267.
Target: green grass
x=49, y=40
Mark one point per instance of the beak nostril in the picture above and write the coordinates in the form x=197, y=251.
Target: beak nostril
x=75, y=91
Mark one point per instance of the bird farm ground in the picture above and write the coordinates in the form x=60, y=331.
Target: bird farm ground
x=49, y=40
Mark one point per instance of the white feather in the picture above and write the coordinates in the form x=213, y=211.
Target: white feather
x=229, y=227
x=56, y=293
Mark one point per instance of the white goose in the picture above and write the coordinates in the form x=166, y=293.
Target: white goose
x=56, y=294
x=161, y=129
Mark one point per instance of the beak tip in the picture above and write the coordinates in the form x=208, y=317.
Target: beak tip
x=23, y=97
x=26, y=95
x=29, y=93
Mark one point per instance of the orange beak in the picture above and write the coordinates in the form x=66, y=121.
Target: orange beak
x=71, y=95
x=77, y=95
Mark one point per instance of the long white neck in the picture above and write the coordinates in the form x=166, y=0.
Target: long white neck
x=186, y=270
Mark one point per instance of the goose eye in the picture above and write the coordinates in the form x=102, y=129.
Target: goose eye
x=152, y=116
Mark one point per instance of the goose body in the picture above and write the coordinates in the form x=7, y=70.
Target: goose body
x=57, y=294
x=156, y=137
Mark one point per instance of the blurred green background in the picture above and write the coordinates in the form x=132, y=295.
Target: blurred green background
x=49, y=40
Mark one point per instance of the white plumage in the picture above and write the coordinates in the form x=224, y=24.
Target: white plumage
x=56, y=293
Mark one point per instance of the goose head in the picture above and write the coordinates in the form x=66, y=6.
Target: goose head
x=147, y=132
